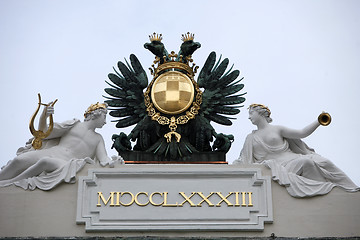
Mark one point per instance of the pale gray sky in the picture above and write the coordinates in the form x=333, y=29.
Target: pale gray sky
x=297, y=57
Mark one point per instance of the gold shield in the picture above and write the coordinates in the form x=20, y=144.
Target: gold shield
x=172, y=92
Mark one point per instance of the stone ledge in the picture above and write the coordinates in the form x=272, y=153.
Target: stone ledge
x=178, y=238
x=39, y=214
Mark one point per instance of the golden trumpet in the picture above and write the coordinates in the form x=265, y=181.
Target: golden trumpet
x=324, y=119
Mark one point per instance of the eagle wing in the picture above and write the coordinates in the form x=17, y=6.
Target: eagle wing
x=220, y=97
x=126, y=100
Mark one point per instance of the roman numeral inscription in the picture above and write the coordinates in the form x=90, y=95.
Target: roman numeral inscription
x=197, y=197
x=161, y=199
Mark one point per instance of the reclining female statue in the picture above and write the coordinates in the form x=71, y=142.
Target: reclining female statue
x=293, y=164
x=69, y=147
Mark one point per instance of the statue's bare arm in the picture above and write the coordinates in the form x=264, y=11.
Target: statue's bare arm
x=43, y=126
x=43, y=117
x=298, y=134
x=101, y=153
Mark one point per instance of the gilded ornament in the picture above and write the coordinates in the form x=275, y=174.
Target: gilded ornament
x=324, y=119
x=172, y=92
x=39, y=135
x=93, y=107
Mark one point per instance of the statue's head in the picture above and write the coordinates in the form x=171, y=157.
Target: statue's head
x=262, y=110
x=95, y=110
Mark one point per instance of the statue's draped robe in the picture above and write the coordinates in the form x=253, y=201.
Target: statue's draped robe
x=67, y=173
x=295, y=166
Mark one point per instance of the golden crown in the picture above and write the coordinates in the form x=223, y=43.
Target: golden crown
x=172, y=63
x=93, y=107
x=187, y=37
x=155, y=37
x=261, y=106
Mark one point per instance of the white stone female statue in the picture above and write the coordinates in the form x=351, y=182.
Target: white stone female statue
x=69, y=147
x=292, y=163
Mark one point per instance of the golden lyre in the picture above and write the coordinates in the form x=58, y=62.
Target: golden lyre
x=39, y=135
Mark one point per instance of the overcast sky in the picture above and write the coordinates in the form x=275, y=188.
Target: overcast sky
x=298, y=57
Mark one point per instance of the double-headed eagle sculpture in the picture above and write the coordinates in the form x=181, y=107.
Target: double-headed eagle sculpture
x=173, y=113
